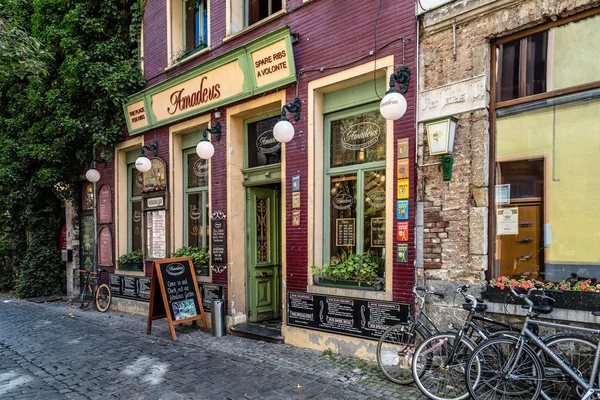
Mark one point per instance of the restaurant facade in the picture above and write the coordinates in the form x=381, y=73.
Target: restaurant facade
x=286, y=224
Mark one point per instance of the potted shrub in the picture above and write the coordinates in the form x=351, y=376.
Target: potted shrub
x=358, y=270
x=200, y=258
x=132, y=261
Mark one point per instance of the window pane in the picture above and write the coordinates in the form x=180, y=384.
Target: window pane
x=358, y=139
x=547, y=198
x=197, y=212
x=263, y=148
x=374, y=206
x=87, y=194
x=260, y=9
x=136, y=226
x=137, y=182
x=509, y=71
x=195, y=24
x=197, y=171
x=343, y=215
x=536, y=63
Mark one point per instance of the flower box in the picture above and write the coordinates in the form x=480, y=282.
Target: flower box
x=202, y=270
x=350, y=284
x=567, y=299
x=132, y=266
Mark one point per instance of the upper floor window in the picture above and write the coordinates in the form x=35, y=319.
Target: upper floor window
x=255, y=10
x=522, y=67
x=189, y=28
x=245, y=13
x=194, y=25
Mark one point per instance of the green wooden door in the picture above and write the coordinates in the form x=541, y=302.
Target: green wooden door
x=263, y=258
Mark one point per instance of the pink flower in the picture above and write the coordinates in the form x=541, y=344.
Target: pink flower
x=562, y=287
x=598, y=286
x=503, y=279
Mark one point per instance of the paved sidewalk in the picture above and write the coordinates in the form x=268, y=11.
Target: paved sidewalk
x=54, y=351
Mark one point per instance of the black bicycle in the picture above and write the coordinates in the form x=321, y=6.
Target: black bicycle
x=92, y=288
x=397, y=344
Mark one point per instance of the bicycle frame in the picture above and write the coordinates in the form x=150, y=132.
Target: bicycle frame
x=526, y=332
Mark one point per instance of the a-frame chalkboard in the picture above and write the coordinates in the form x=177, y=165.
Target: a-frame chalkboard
x=174, y=294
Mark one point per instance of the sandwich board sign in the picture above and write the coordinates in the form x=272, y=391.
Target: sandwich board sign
x=174, y=294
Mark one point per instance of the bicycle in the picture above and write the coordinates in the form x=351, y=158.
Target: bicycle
x=92, y=290
x=397, y=344
x=438, y=362
x=511, y=368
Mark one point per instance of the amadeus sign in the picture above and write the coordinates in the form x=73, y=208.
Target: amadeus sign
x=361, y=136
x=258, y=66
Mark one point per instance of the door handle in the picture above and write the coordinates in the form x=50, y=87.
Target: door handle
x=525, y=241
x=265, y=274
x=525, y=257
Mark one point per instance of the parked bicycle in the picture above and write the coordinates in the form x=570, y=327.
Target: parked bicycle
x=438, y=363
x=92, y=288
x=563, y=366
x=397, y=344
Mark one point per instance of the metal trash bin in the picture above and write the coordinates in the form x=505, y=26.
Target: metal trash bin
x=217, y=318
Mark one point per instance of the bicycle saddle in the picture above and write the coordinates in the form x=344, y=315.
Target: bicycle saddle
x=539, y=309
x=480, y=307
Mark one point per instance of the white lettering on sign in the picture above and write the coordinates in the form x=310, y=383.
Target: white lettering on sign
x=342, y=201
x=175, y=269
x=453, y=99
x=157, y=202
x=266, y=143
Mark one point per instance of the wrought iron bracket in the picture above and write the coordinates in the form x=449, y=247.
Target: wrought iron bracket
x=402, y=78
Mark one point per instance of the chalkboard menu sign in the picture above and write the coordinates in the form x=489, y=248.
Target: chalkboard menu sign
x=345, y=315
x=344, y=228
x=130, y=287
x=210, y=292
x=377, y=232
x=174, y=293
x=218, y=238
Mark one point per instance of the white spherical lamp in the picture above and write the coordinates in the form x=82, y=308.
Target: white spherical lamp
x=205, y=149
x=92, y=175
x=392, y=106
x=283, y=131
x=143, y=164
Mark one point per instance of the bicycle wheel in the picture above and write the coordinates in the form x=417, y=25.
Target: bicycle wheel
x=498, y=370
x=578, y=352
x=103, y=298
x=395, y=350
x=438, y=366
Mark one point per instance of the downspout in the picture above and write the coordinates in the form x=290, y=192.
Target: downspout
x=419, y=223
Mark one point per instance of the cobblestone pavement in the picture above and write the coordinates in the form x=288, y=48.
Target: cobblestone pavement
x=55, y=351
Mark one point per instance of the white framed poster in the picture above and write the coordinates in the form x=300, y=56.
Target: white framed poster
x=507, y=221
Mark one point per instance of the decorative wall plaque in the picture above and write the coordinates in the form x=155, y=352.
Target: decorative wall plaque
x=105, y=247
x=104, y=205
x=218, y=241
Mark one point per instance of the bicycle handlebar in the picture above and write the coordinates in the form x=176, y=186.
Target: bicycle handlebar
x=427, y=291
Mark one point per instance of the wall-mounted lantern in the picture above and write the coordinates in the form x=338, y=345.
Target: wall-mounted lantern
x=143, y=163
x=393, y=105
x=284, y=130
x=205, y=148
x=440, y=134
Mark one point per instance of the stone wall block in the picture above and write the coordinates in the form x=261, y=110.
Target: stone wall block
x=478, y=231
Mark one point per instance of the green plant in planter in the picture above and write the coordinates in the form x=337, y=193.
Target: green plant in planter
x=132, y=261
x=200, y=258
x=352, y=267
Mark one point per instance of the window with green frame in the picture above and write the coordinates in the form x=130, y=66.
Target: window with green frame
x=354, y=184
x=195, y=200
x=134, y=209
